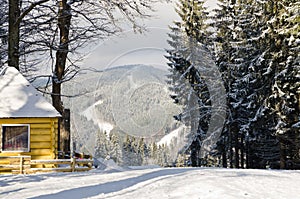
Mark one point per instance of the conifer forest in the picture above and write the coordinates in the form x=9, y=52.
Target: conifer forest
x=255, y=45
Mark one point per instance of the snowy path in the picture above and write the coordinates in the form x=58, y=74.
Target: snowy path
x=155, y=183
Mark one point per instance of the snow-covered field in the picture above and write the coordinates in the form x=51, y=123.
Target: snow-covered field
x=136, y=183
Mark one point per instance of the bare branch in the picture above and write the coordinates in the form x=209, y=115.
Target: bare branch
x=62, y=95
x=30, y=8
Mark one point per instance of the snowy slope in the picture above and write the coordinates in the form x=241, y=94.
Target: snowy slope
x=155, y=183
x=167, y=139
x=116, y=100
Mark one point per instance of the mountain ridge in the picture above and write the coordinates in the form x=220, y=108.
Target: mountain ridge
x=122, y=99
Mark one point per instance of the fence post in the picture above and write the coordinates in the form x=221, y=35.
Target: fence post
x=21, y=164
x=73, y=162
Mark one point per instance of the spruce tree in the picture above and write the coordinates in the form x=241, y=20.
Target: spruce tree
x=285, y=98
x=243, y=56
x=224, y=23
x=187, y=84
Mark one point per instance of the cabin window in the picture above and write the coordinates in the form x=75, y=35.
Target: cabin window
x=15, y=137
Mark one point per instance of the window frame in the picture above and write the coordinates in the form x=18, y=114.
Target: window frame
x=2, y=138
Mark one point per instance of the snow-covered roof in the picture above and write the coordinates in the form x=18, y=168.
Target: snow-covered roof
x=18, y=98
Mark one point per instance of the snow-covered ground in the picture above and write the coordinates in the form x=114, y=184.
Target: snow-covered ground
x=136, y=183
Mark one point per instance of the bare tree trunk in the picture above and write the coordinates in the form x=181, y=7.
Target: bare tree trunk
x=282, y=156
x=242, y=144
x=13, y=33
x=230, y=149
x=64, y=22
x=237, y=150
x=15, y=17
x=224, y=153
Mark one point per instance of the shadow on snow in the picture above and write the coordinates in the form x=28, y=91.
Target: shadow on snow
x=111, y=187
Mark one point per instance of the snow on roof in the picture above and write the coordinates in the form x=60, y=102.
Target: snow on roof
x=18, y=98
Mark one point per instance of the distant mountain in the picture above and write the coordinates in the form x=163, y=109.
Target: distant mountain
x=131, y=100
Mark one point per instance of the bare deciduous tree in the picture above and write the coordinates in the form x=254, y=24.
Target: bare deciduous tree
x=45, y=32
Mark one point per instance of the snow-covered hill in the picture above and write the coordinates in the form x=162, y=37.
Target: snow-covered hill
x=132, y=99
x=153, y=183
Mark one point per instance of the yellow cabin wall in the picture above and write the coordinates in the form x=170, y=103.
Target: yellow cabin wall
x=43, y=137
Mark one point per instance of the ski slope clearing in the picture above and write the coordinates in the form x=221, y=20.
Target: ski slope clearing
x=155, y=183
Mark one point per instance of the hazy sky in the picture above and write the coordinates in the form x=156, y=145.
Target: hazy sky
x=131, y=48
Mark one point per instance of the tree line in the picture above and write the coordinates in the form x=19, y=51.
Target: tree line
x=255, y=45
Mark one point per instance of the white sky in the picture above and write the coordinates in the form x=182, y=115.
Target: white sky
x=131, y=48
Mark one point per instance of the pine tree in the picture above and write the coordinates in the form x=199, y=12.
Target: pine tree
x=116, y=152
x=224, y=25
x=243, y=56
x=153, y=151
x=102, y=145
x=187, y=84
x=194, y=18
x=285, y=98
x=250, y=87
x=142, y=150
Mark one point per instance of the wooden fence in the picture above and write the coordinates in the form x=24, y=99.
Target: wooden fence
x=14, y=164
x=24, y=165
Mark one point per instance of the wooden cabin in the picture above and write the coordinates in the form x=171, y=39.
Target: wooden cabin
x=28, y=123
